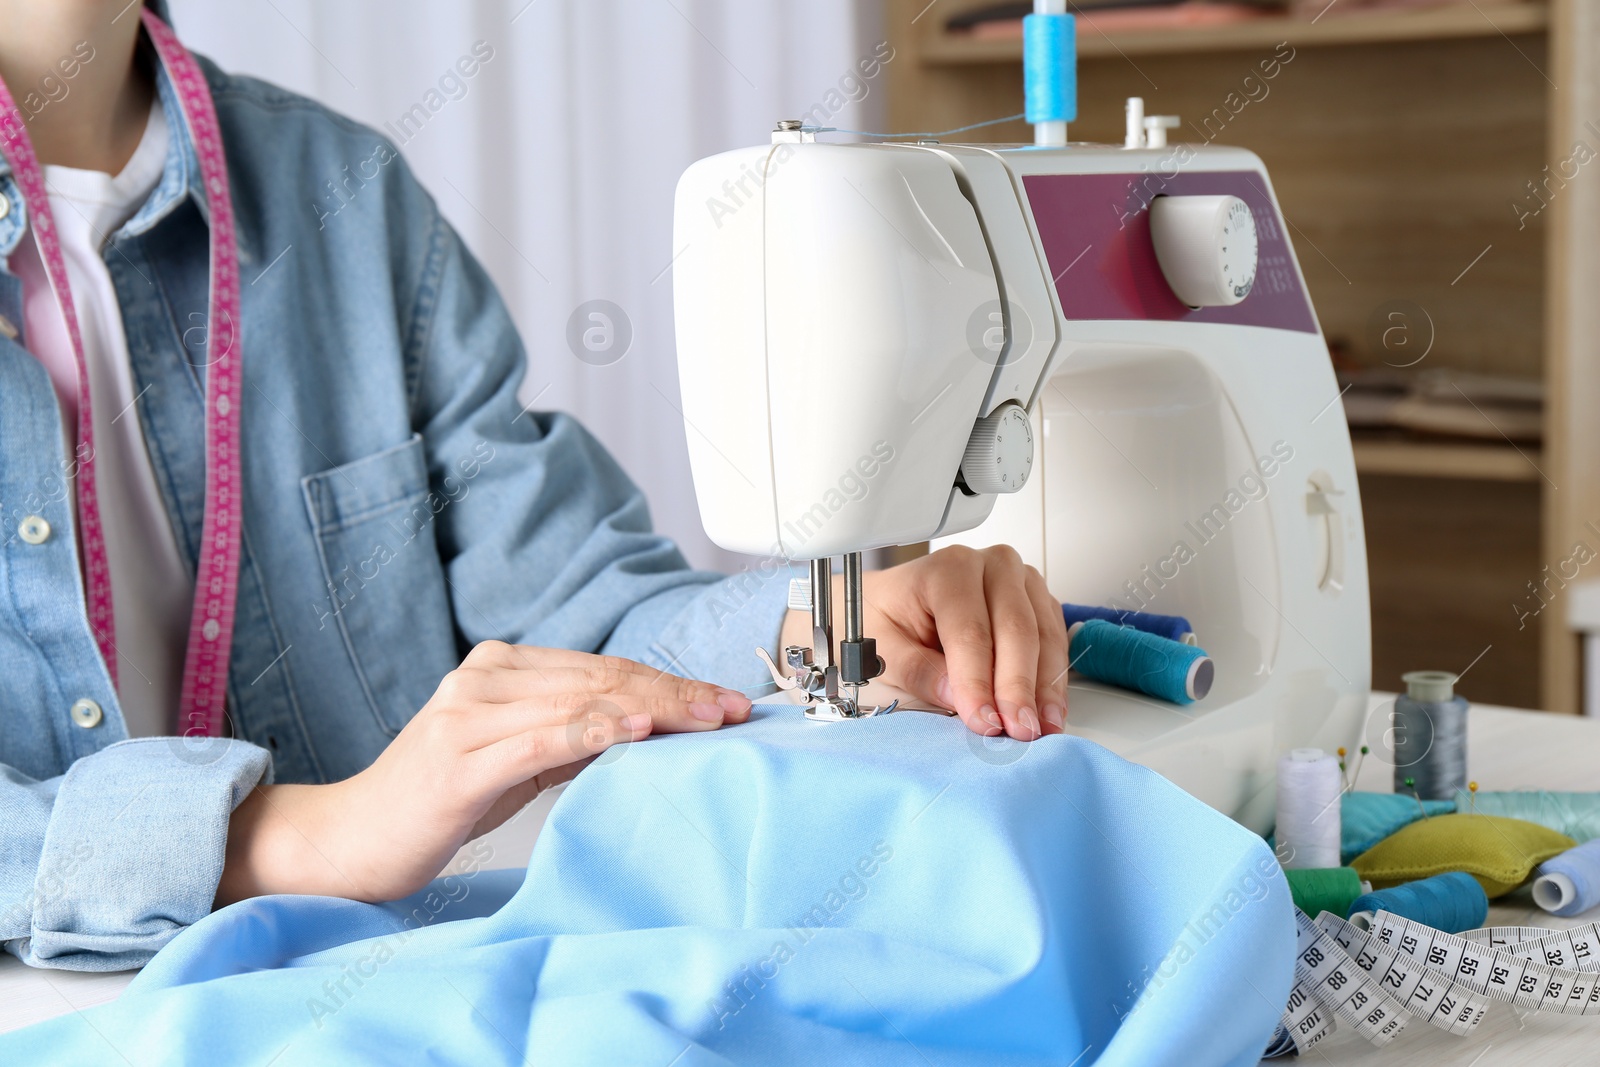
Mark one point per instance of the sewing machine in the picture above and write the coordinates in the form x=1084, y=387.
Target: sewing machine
x=1102, y=355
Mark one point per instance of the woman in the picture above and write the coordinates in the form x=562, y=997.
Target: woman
x=176, y=319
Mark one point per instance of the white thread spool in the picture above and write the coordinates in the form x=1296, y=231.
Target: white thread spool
x=1309, y=788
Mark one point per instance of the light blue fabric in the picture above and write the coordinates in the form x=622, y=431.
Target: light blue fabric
x=891, y=892
x=399, y=507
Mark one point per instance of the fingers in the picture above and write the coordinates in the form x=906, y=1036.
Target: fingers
x=1015, y=626
x=923, y=672
x=1003, y=640
x=579, y=713
x=1053, y=654
x=961, y=616
x=498, y=672
x=513, y=760
x=533, y=738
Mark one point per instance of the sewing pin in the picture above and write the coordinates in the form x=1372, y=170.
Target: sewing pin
x=1411, y=784
x=1355, y=775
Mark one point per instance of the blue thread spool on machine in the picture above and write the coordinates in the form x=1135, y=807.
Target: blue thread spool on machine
x=1144, y=662
x=1050, y=71
x=1172, y=627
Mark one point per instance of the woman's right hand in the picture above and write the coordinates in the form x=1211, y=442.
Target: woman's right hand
x=510, y=721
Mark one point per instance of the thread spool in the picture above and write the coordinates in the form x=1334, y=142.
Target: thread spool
x=1309, y=787
x=1575, y=814
x=1319, y=889
x=1050, y=70
x=1453, y=902
x=1430, y=732
x=1146, y=663
x=1172, y=627
x=1569, y=884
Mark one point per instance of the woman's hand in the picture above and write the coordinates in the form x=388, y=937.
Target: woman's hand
x=511, y=721
x=976, y=632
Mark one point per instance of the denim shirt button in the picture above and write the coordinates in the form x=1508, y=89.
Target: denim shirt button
x=8, y=329
x=87, y=714
x=35, y=529
x=5, y=204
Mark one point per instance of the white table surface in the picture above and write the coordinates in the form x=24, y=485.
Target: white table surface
x=1507, y=750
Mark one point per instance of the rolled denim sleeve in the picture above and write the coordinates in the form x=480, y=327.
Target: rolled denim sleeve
x=711, y=631
x=545, y=540
x=103, y=865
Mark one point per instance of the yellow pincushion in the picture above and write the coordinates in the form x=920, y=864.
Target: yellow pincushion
x=1500, y=853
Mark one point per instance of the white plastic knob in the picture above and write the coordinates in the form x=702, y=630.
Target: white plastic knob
x=1206, y=246
x=999, y=453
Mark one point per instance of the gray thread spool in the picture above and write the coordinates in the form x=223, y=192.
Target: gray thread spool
x=1430, y=736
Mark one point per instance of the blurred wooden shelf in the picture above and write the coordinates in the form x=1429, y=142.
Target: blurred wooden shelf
x=1417, y=459
x=939, y=47
x=1401, y=145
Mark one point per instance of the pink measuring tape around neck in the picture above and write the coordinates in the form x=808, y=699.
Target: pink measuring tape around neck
x=205, y=669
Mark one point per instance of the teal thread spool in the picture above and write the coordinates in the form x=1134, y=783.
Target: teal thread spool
x=1453, y=902
x=1145, y=663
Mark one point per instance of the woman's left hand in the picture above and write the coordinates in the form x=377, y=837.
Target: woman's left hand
x=976, y=632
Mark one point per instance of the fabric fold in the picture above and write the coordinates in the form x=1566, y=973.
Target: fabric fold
x=891, y=891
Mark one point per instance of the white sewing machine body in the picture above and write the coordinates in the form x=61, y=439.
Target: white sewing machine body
x=847, y=314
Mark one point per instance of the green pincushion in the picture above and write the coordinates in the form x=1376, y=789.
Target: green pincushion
x=1500, y=853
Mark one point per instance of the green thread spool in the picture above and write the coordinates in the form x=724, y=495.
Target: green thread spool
x=1319, y=889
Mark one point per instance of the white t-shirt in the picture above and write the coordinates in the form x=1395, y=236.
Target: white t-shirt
x=150, y=584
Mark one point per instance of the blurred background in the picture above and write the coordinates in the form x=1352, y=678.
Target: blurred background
x=1432, y=158
x=558, y=160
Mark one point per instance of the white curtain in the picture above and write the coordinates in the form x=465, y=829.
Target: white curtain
x=557, y=158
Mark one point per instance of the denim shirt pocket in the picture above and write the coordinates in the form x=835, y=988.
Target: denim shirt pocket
x=373, y=524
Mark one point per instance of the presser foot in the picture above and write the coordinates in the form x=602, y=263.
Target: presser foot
x=825, y=710
x=823, y=702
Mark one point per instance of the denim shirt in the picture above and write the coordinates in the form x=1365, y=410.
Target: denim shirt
x=399, y=507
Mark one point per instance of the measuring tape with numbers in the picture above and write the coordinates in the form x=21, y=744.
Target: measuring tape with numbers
x=1495, y=972
x=1329, y=986
x=205, y=669
x=1376, y=980
x=1577, y=949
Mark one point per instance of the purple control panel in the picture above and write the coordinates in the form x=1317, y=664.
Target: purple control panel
x=1096, y=234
